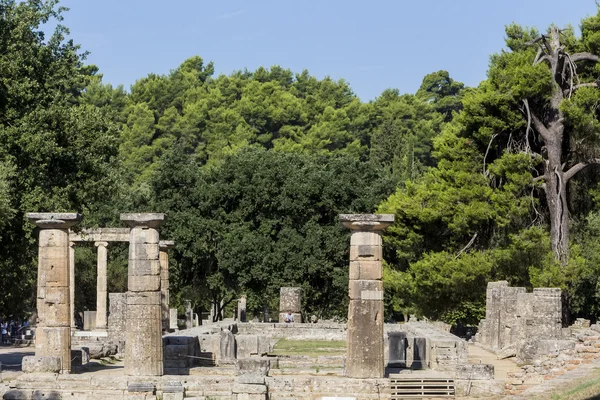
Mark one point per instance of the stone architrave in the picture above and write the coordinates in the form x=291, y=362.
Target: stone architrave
x=241, y=311
x=365, y=358
x=290, y=301
x=102, y=286
x=144, y=347
x=53, y=333
x=189, y=314
x=163, y=246
x=72, y=283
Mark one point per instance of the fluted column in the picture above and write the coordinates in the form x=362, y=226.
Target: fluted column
x=364, y=358
x=143, y=337
x=102, y=286
x=53, y=331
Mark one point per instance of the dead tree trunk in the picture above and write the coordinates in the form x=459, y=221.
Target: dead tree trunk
x=549, y=124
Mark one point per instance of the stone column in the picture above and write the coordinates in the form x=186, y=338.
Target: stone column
x=164, y=281
x=53, y=333
x=143, y=349
x=72, y=282
x=365, y=357
x=101, y=286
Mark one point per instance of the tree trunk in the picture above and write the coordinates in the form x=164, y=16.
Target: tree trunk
x=556, y=196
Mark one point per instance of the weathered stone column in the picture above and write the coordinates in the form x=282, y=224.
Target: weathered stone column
x=72, y=282
x=189, y=314
x=101, y=286
x=164, y=245
x=143, y=349
x=365, y=357
x=53, y=333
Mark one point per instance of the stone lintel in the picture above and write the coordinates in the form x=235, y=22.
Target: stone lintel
x=54, y=220
x=366, y=222
x=144, y=220
x=166, y=244
x=100, y=235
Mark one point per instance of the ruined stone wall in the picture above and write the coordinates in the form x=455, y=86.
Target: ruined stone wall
x=513, y=315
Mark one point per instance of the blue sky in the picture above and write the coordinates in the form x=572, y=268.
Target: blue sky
x=373, y=45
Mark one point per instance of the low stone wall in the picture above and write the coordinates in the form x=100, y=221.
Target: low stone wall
x=548, y=359
x=295, y=331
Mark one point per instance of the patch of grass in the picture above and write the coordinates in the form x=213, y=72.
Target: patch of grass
x=583, y=389
x=310, y=348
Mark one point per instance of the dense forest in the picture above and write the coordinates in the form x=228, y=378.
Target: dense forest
x=495, y=182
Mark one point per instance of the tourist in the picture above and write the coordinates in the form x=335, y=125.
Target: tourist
x=289, y=317
x=4, y=332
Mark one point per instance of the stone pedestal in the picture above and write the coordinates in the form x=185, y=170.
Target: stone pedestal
x=173, y=319
x=164, y=245
x=53, y=334
x=241, y=311
x=102, y=286
x=290, y=301
x=365, y=358
x=143, y=350
x=117, y=320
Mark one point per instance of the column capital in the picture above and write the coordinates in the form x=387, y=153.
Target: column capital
x=71, y=244
x=166, y=244
x=54, y=220
x=366, y=222
x=103, y=244
x=144, y=220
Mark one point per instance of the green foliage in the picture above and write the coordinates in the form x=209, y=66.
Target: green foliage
x=264, y=219
x=63, y=150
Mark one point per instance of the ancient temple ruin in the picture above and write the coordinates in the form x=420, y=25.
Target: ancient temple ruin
x=513, y=315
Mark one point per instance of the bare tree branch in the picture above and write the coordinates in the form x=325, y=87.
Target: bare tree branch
x=486, y=153
x=541, y=128
x=467, y=246
x=589, y=84
x=578, y=167
x=539, y=178
x=584, y=56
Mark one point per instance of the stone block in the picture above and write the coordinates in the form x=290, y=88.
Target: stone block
x=365, y=290
x=141, y=387
x=18, y=394
x=142, y=221
x=365, y=357
x=420, y=360
x=31, y=364
x=364, y=238
x=370, y=270
x=290, y=299
x=145, y=283
x=249, y=388
x=252, y=370
x=397, y=349
x=264, y=345
x=144, y=267
x=246, y=345
x=365, y=252
x=175, y=351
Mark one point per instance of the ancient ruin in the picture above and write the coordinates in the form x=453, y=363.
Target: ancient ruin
x=53, y=335
x=143, y=351
x=365, y=312
x=234, y=359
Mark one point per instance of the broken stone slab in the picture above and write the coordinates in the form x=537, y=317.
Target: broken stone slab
x=507, y=351
x=249, y=388
x=31, y=364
